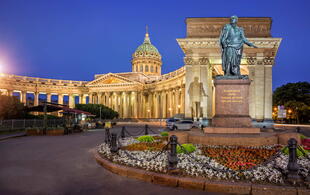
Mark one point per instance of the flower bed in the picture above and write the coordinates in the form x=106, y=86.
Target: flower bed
x=255, y=164
x=240, y=158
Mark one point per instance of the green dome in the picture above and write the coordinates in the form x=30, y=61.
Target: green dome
x=146, y=48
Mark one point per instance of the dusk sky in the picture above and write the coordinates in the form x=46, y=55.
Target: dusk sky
x=75, y=39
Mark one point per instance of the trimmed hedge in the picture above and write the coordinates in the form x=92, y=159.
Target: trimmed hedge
x=145, y=138
x=188, y=147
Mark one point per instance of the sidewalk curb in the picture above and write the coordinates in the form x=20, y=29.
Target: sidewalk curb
x=12, y=136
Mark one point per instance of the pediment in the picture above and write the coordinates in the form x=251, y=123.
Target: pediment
x=110, y=79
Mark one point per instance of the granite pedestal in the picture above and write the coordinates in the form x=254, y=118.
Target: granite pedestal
x=231, y=107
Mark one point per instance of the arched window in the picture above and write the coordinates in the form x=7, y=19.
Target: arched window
x=156, y=69
x=152, y=69
x=136, y=68
x=146, y=68
x=141, y=68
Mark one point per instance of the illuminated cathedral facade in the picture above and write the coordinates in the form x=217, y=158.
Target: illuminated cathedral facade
x=147, y=93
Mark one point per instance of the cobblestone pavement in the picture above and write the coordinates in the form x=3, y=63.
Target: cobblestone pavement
x=65, y=165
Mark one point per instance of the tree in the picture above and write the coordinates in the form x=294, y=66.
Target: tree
x=11, y=108
x=296, y=97
x=106, y=112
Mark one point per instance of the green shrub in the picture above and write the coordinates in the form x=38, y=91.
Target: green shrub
x=188, y=147
x=145, y=138
x=303, y=137
x=285, y=150
x=164, y=133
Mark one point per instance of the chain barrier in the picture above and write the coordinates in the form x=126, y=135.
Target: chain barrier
x=203, y=164
x=139, y=132
x=148, y=159
x=154, y=131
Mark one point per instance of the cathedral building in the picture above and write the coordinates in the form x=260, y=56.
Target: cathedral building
x=147, y=93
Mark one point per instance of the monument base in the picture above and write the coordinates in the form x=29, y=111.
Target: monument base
x=231, y=121
x=234, y=130
x=232, y=103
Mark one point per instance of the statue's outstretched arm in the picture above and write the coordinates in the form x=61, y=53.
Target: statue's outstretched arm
x=245, y=40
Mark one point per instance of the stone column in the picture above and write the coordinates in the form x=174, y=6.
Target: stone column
x=252, y=90
x=164, y=104
x=10, y=92
x=259, y=81
x=71, y=101
x=116, y=102
x=60, y=99
x=23, y=95
x=150, y=105
x=268, y=93
x=90, y=98
x=48, y=97
x=84, y=96
x=134, y=104
x=155, y=101
x=182, y=100
x=173, y=105
x=36, y=98
x=125, y=105
x=105, y=98
x=177, y=101
x=207, y=108
x=110, y=99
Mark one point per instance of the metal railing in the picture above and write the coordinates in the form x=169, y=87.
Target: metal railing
x=20, y=124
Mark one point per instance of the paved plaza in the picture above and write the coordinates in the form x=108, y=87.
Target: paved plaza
x=65, y=165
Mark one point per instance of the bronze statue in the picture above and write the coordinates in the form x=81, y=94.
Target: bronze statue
x=232, y=39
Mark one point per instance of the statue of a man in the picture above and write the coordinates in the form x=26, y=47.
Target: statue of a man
x=232, y=39
x=196, y=92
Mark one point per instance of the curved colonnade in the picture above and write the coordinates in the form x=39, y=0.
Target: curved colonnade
x=133, y=95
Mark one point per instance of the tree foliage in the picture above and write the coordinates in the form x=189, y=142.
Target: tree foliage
x=296, y=97
x=106, y=112
x=11, y=108
x=297, y=92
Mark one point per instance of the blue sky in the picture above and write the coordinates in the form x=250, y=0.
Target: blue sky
x=75, y=39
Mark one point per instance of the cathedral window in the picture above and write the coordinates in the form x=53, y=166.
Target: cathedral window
x=156, y=69
x=136, y=68
x=141, y=68
x=146, y=68
x=152, y=69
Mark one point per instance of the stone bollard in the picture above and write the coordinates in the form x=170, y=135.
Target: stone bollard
x=107, y=139
x=146, y=131
x=114, y=147
x=292, y=166
x=123, y=132
x=172, y=156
